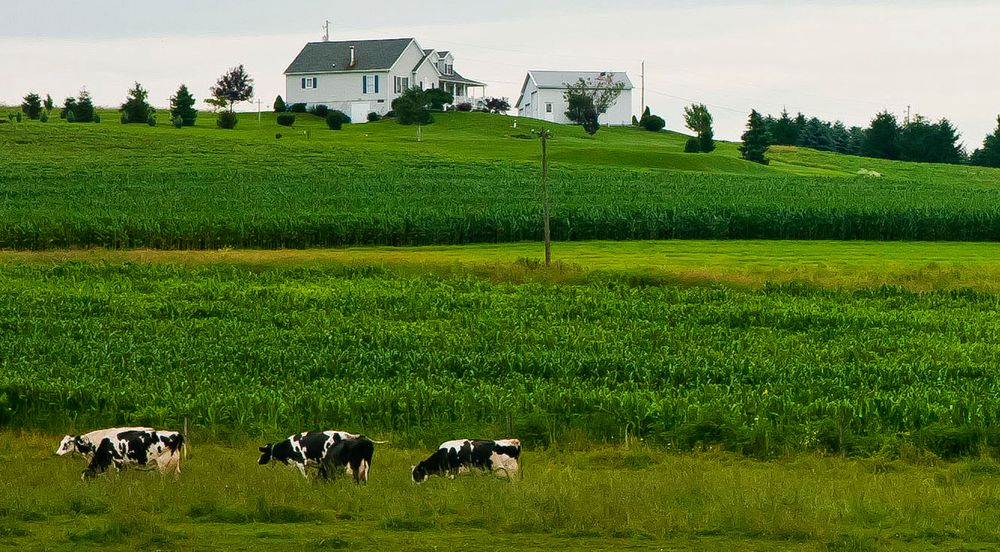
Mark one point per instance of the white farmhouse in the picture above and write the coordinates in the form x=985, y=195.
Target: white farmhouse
x=359, y=77
x=543, y=95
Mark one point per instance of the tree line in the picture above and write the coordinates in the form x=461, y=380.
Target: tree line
x=917, y=139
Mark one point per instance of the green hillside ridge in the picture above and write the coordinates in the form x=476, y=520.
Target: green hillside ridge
x=473, y=179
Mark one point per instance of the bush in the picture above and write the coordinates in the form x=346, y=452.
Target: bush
x=298, y=108
x=227, y=120
x=124, y=118
x=44, y=117
x=177, y=121
x=437, y=98
x=389, y=114
x=635, y=121
x=692, y=145
x=334, y=121
x=279, y=105
x=18, y=116
x=653, y=123
x=374, y=117
x=286, y=119
x=96, y=118
x=151, y=121
x=70, y=117
x=346, y=119
x=320, y=110
x=464, y=106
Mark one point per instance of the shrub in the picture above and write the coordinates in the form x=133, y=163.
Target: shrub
x=346, y=119
x=374, y=117
x=635, y=121
x=334, y=121
x=437, y=98
x=18, y=116
x=279, y=105
x=298, y=108
x=653, y=123
x=320, y=110
x=136, y=106
x=389, y=114
x=286, y=119
x=151, y=121
x=692, y=145
x=464, y=106
x=70, y=117
x=227, y=120
x=44, y=117
x=32, y=105
x=124, y=118
x=96, y=118
x=177, y=121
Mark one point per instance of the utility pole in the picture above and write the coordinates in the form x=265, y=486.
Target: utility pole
x=326, y=31
x=258, y=112
x=642, y=95
x=545, y=134
x=907, y=115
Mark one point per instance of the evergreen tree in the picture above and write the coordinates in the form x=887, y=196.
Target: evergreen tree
x=279, y=105
x=32, y=105
x=756, y=140
x=699, y=120
x=411, y=107
x=84, y=110
x=799, y=124
x=49, y=104
x=136, y=109
x=69, y=104
x=784, y=132
x=926, y=142
x=182, y=105
x=882, y=137
x=989, y=154
x=856, y=144
x=841, y=137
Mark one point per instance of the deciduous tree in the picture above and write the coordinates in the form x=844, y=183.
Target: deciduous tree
x=235, y=85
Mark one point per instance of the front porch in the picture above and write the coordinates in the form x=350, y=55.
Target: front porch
x=463, y=89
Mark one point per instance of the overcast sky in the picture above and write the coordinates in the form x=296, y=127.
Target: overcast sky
x=844, y=61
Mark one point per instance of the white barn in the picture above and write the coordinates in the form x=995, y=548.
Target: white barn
x=359, y=77
x=543, y=96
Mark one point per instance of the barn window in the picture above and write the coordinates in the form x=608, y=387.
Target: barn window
x=548, y=107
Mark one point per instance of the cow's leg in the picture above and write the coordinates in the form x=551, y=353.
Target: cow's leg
x=302, y=469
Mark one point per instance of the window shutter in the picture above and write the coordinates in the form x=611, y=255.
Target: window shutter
x=315, y=82
x=303, y=83
x=364, y=84
x=376, y=84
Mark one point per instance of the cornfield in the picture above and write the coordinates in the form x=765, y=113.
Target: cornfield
x=281, y=350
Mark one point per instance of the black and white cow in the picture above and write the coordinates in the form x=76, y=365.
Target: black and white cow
x=142, y=447
x=303, y=450
x=87, y=443
x=354, y=454
x=455, y=457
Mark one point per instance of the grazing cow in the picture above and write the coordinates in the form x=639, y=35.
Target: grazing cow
x=303, y=449
x=87, y=443
x=355, y=454
x=143, y=448
x=455, y=457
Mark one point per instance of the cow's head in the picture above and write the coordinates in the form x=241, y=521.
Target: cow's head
x=265, y=453
x=67, y=445
x=420, y=473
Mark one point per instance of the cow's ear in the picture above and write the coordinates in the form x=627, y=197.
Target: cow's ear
x=265, y=448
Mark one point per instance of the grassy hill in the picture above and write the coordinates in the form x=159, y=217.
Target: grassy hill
x=473, y=179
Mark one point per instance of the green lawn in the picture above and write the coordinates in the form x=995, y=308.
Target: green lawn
x=604, y=498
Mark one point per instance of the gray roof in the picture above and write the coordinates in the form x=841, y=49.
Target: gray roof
x=559, y=79
x=455, y=77
x=369, y=55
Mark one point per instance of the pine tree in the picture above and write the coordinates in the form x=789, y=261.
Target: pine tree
x=84, y=110
x=756, y=140
x=279, y=105
x=32, y=105
x=182, y=105
x=136, y=109
x=784, y=131
x=49, y=104
x=841, y=137
x=856, y=144
x=989, y=154
x=882, y=137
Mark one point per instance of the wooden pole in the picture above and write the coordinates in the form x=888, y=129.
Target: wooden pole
x=545, y=196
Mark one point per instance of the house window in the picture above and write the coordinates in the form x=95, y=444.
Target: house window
x=548, y=107
x=402, y=83
x=310, y=82
x=369, y=84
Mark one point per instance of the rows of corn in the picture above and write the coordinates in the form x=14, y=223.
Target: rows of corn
x=420, y=358
x=63, y=186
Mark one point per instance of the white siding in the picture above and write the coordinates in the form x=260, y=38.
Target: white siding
x=339, y=91
x=534, y=100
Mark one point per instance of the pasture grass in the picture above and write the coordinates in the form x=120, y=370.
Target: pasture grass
x=914, y=266
x=596, y=498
